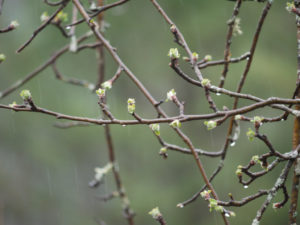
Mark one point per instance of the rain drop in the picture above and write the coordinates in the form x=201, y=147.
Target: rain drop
x=218, y=94
x=124, y=125
x=232, y=144
x=282, y=119
x=245, y=186
x=68, y=27
x=227, y=215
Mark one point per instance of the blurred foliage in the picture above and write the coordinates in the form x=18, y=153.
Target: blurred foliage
x=44, y=171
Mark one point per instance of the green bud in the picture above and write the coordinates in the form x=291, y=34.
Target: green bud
x=171, y=95
x=163, y=150
x=44, y=16
x=155, y=128
x=2, y=57
x=61, y=16
x=155, y=213
x=213, y=202
x=195, y=56
x=219, y=208
x=12, y=104
x=239, y=171
x=257, y=119
x=205, y=194
x=180, y=205
x=232, y=214
x=173, y=28
x=131, y=105
x=14, y=24
x=185, y=58
x=93, y=6
x=208, y=58
x=237, y=27
x=250, y=134
x=211, y=124
x=290, y=6
x=173, y=53
x=205, y=82
x=238, y=117
x=229, y=213
x=25, y=94
x=100, y=92
x=107, y=85
x=213, y=205
x=255, y=159
x=175, y=124
x=100, y=172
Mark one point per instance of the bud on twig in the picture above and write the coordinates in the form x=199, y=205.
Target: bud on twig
x=2, y=58
x=250, y=134
x=175, y=124
x=100, y=92
x=25, y=95
x=211, y=124
x=173, y=53
x=155, y=128
x=131, y=105
x=205, y=82
x=107, y=85
x=171, y=95
x=208, y=58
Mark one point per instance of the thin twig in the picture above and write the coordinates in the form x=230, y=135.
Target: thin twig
x=71, y=124
x=222, y=62
x=245, y=73
x=73, y=81
x=44, y=25
x=227, y=53
x=245, y=200
x=54, y=3
x=147, y=95
x=102, y=9
x=10, y=27
x=279, y=184
x=41, y=68
x=165, y=119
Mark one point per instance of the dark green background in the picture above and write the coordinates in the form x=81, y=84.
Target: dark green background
x=44, y=171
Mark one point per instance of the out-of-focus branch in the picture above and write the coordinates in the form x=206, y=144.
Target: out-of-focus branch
x=41, y=68
x=73, y=81
x=101, y=10
x=12, y=26
x=44, y=25
x=54, y=3
x=222, y=62
x=245, y=73
x=227, y=54
x=147, y=95
x=71, y=124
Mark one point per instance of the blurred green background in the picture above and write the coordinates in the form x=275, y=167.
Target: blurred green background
x=45, y=171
